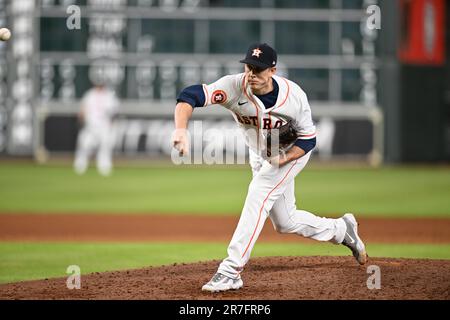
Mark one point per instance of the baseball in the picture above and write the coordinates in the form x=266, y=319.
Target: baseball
x=5, y=34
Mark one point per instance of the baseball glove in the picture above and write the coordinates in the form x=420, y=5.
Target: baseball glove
x=287, y=135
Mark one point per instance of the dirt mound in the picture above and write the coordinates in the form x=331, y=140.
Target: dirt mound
x=272, y=278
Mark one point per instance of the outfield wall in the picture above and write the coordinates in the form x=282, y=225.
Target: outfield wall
x=345, y=131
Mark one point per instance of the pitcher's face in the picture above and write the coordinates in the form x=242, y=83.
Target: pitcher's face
x=259, y=79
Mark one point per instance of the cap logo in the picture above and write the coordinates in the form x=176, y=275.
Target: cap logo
x=256, y=52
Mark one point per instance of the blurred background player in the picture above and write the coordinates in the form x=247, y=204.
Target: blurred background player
x=98, y=108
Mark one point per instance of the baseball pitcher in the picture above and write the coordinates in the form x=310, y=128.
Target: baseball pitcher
x=275, y=117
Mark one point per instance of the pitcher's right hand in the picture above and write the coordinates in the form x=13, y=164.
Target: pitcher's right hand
x=180, y=141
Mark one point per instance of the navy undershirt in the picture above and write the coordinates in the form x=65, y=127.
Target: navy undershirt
x=270, y=99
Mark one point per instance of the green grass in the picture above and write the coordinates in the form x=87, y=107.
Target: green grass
x=404, y=191
x=27, y=261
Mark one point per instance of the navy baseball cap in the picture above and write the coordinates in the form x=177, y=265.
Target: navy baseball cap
x=261, y=55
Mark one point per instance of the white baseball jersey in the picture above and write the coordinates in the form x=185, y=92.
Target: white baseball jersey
x=99, y=106
x=233, y=93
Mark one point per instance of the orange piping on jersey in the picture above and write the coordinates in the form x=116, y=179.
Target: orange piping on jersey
x=287, y=94
x=205, y=91
x=256, y=108
x=262, y=207
x=243, y=84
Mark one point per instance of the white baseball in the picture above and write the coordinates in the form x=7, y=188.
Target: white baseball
x=5, y=34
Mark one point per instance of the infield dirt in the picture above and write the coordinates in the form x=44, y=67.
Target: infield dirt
x=127, y=227
x=273, y=278
x=264, y=278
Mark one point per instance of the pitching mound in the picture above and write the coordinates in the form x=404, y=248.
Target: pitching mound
x=264, y=278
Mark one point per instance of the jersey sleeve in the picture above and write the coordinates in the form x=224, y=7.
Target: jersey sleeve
x=305, y=126
x=224, y=91
x=221, y=92
x=193, y=95
x=306, y=144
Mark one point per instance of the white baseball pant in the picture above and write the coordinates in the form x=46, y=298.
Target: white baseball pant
x=93, y=139
x=271, y=193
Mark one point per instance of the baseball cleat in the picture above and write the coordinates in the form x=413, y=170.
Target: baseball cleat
x=352, y=240
x=220, y=282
